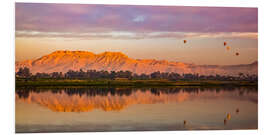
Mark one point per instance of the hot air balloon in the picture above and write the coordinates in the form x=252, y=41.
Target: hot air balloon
x=237, y=110
x=228, y=48
x=237, y=54
x=228, y=116
x=185, y=41
x=225, y=43
x=225, y=121
x=185, y=122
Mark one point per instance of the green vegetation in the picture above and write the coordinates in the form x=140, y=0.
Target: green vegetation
x=103, y=82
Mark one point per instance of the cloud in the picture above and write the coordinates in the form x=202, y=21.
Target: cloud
x=132, y=35
x=139, y=18
x=87, y=18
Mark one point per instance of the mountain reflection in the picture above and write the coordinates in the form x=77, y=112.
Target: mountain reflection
x=116, y=99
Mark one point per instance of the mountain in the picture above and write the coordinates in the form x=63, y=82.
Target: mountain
x=62, y=61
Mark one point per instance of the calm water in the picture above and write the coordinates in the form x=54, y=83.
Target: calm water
x=135, y=109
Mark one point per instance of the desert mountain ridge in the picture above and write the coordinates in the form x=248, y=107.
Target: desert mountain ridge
x=63, y=61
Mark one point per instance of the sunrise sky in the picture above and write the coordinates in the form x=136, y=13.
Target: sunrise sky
x=152, y=32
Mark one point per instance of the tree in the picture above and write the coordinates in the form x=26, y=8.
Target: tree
x=155, y=75
x=240, y=75
x=24, y=72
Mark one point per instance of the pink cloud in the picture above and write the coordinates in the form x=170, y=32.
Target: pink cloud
x=82, y=18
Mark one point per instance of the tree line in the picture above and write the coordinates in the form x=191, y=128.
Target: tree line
x=94, y=74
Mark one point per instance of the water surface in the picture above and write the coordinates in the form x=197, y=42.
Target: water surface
x=135, y=109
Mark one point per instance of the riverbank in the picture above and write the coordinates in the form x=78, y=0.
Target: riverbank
x=68, y=82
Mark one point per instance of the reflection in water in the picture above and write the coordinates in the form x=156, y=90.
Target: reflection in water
x=135, y=109
x=87, y=99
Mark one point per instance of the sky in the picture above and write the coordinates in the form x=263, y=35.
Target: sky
x=140, y=32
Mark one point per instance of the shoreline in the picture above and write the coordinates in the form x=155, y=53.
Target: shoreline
x=131, y=83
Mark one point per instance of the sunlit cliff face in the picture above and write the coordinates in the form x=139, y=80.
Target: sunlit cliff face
x=62, y=61
x=63, y=102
